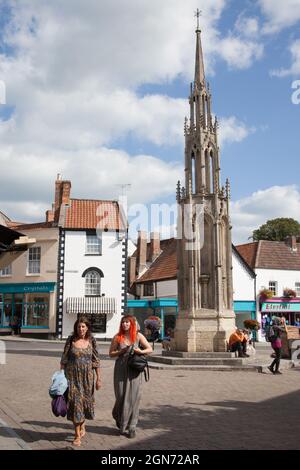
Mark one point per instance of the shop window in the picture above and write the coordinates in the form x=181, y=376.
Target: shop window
x=92, y=283
x=93, y=244
x=273, y=287
x=6, y=310
x=34, y=260
x=36, y=311
x=297, y=289
x=6, y=271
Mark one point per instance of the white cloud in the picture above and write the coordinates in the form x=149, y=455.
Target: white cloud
x=279, y=14
x=247, y=26
x=295, y=67
x=231, y=130
x=251, y=212
x=74, y=74
x=240, y=53
x=94, y=174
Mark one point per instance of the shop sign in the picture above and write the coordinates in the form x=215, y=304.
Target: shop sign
x=281, y=307
x=26, y=288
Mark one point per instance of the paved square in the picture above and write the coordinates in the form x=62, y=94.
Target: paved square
x=179, y=409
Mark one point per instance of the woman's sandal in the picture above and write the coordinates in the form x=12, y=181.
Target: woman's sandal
x=77, y=442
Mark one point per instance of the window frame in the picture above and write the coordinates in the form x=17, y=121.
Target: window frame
x=88, y=245
x=28, y=272
x=148, y=286
x=88, y=285
x=9, y=274
x=275, y=289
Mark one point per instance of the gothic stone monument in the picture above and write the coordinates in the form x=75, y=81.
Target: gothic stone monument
x=205, y=295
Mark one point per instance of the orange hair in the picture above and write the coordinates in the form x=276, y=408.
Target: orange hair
x=132, y=331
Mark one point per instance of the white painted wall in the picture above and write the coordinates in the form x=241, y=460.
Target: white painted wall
x=283, y=279
x=243, y=282
x=76, y=262
x=167, y=288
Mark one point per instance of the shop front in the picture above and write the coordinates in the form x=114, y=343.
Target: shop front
x=27, y=307
x=282, y=307
x=167, y=310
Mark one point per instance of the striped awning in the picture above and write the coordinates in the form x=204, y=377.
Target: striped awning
x=87, y=305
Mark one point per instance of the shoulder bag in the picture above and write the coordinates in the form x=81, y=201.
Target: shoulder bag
x=139, y=363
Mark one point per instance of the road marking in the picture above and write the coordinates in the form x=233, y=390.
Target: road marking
x=22, y=444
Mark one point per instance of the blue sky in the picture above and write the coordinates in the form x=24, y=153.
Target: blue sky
x=101, y=97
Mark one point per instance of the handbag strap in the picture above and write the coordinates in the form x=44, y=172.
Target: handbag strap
x=147, y=373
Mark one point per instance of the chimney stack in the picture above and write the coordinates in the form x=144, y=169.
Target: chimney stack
x=49, y=216
x=62, y=195
x=154, y=246
x=141, y=252
x=291, y=241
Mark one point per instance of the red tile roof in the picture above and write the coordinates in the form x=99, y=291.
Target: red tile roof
x=165, y=265
x=92, y=214
x=248, y=252
x=270, y=255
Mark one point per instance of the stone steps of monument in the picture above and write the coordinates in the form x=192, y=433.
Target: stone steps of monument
x=205, y=361
x=245, y=368
x=200, y=355
x=248, y=365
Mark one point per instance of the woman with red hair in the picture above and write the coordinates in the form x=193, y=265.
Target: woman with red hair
x=127, y=382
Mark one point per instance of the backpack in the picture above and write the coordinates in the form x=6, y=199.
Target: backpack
x=270, y=334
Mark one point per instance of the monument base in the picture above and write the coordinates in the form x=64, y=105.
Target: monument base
x=203, y=330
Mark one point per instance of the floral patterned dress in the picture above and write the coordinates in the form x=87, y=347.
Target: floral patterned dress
x=79, y=370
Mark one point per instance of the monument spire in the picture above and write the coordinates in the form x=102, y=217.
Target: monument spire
x=199, y=62
x=205, y=316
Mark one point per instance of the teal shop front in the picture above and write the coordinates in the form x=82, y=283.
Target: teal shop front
x=26, y=305
x=167, y=310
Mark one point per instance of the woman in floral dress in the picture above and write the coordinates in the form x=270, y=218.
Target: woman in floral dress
x=79, y=360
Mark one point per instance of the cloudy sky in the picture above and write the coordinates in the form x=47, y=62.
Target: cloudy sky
x=96, y=90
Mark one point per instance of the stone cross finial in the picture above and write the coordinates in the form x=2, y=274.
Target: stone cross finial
x=198, y=13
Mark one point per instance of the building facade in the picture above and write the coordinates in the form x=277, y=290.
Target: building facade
x=77, y=265
x=91, y=262
x=28, y=286
x=277, y=268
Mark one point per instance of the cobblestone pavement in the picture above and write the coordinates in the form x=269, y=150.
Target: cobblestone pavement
x=179, y=409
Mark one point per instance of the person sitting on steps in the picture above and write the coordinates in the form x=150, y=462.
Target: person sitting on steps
x=238, y=342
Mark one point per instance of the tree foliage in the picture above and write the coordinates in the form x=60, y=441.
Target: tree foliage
x=277, y=230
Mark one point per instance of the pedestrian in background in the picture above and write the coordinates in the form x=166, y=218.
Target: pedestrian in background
x=278, y=327
x=80, y=360
x=127, y=382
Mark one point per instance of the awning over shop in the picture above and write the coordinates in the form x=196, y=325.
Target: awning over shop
x=86, y=305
